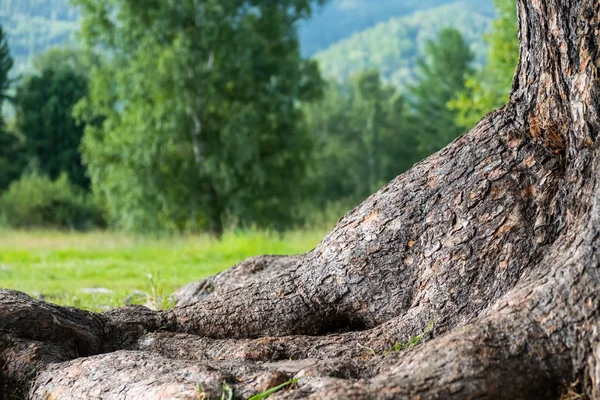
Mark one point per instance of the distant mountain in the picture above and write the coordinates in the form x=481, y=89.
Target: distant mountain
x=339, y=19
x=393, y=47
x=35, y=25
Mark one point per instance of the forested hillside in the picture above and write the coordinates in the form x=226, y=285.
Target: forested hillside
x=340, y=19
x=393, y=47
x=35, y=25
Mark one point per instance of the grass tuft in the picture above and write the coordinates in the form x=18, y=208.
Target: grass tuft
x=572, y=391
x=156, y=299
x=267, y=393
x=227, y=393
x=413, y=341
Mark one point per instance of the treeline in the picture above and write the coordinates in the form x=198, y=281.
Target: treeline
x=176, y=117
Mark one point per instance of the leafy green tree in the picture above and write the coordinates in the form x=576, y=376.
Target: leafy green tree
x=11, y=162
x=67, y=58
x=6, y=64
x=377, y=118
x=489, y=88
x=361, y=143
x=44, y=105
x=200, y=101
x=442, y=74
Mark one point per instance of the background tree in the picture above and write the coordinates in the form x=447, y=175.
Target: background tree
x=6, y=64
x=442, y=73
x=373, y=106
x=44, y=106
x=68, y=58
x=11, y=162
x=201, y=107
x=488, y=89
x=360, y=140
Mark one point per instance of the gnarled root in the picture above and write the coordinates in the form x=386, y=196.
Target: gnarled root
x=494, y=239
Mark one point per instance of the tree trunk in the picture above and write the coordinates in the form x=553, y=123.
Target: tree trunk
x=495, y=239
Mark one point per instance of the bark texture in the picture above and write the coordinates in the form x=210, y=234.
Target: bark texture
x=496, y=239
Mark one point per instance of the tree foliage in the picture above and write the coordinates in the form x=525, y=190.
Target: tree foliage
x=11, y=161
x=6, y=64
x=200, y=101
x=10, y=144
x=489, y=88
x=360, y=140
x=44, y=105
x=442, y=74
x=37, y=201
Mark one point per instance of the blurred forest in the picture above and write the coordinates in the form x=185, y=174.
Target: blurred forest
x=35, y=25
x=394, y=47
x=196, y=116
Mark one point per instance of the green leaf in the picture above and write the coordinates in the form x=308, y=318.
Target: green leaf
x=227, y=393
x=267, y=393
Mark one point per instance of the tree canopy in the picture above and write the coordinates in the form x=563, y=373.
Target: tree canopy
x=488, y=89
x=44, y=105
x=442, y=74
x=200, y=102
x=360, y=140
x=10, y=144
x=202, y=114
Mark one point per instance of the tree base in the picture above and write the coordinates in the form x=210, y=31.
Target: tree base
x=495, y=239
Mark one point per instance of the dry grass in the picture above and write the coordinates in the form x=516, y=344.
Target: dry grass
x=572, y=392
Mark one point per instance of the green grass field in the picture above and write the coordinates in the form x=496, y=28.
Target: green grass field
x=101, y=270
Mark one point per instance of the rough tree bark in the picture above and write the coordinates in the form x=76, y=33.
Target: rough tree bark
x=496, y=238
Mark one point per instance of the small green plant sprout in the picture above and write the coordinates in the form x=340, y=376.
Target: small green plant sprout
x=202, y=395
x=227, y=393
x=267, y=393
x=156, y=299
x=413, y=341
x=367, y=349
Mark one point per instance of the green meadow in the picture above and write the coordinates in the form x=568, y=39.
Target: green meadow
x=102, y=270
